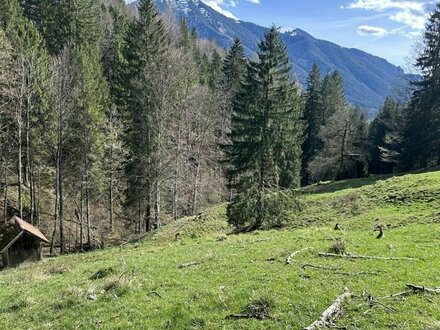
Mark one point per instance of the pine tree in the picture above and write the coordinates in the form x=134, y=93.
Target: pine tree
x=332, y=96
x=422, y=135
x=146, y=44
x=234, y=70
x=313, y=119
x=234, y=66
x=29, y=95
x=344, y=148
x=385, y=136
x=215, y=71
x=265, y=140
x=114, y=121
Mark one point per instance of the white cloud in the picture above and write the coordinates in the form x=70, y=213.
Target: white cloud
x=367, y=30
x=380, y=5
x=415, y=21
x=411, y=13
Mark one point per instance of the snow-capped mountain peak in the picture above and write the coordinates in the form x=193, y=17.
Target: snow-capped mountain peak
x=288, y=30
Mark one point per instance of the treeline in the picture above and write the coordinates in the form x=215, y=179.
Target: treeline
x=110, y=123
x=113, y=124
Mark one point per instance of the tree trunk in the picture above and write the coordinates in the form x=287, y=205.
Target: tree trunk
x=342, y=155
x=176, y=174
x=61, y=207
x=81, y=216
x=32, y=195
x=57, y=204
x=89, y=229
x=27, y=166
x=157, y=203
x=37, y=198
x=5, y=197
x=148, y=226
x=111, y=201
x=20, y=166
x=196, y=189
x=140, y=220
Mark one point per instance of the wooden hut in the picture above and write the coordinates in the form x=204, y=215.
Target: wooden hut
x=20, y=242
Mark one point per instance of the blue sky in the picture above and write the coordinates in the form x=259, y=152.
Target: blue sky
x=386, y=28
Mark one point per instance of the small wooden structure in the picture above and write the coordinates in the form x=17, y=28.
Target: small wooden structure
x=20, y=242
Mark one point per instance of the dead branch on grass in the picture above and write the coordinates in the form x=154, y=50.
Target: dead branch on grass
x=331, y=313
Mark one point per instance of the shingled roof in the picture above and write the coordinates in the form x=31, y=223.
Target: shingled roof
x=13, y=228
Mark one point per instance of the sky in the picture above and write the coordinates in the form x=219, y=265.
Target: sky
x=385, y=28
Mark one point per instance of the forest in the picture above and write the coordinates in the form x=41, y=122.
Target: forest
x=114, y=124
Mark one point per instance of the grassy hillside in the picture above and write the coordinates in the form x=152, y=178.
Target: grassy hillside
x=201, y=279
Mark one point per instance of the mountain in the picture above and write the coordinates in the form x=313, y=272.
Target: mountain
x=368, y=79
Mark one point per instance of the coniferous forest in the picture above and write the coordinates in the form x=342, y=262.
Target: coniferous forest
x=114, y=123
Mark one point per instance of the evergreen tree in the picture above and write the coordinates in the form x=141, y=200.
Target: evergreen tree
x=313, y=119
x=186, y=40
x=344, y=150
x=234, y=66
x=265, y=139
x=215, y=71
x=146, y=44
x=28, y=94
x=234, y=70
x=422, y=135
x=332, y=96
x=385, y=136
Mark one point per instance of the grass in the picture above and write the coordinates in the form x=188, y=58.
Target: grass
x=144, y=286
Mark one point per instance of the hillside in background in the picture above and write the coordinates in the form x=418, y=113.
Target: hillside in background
x=368, y=79
x=192, y=275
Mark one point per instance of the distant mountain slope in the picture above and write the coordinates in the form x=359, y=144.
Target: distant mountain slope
x=368, y=79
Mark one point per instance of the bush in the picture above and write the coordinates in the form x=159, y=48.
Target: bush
x=339, y=247
x=246, y=212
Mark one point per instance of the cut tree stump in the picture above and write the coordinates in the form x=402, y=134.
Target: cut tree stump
x=353, y=256
x=331, y=313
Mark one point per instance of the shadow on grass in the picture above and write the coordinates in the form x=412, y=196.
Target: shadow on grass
x=333, y=186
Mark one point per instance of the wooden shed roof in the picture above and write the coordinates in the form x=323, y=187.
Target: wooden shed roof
x=15, y=227
x=27, y=227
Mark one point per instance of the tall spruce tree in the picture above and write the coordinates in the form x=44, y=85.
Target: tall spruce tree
x=313, y=119
x=422, y=135
x=215, y=71
x=28, y=94
x=265, y=137
x=234, y=66
x=234, y=70
x=332, y=95
x=145, y=46
x=385, y=134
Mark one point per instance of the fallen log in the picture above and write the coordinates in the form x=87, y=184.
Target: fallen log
x=189, y=264
x=353, y=256
x=331, y=313
x=414, y=289
x=155, y=293
x=338, y=271
x=357, y=273
x=294, y=254
x=419, y=288
x=320, y=267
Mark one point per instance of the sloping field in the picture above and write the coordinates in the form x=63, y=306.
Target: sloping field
x=206, y=279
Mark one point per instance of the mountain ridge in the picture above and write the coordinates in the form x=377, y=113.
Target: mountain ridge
x=368, y=79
